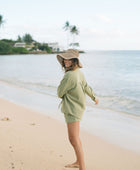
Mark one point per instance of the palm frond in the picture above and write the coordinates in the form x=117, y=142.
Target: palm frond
x=74, y=30
x=1, y=20
x=66, y=26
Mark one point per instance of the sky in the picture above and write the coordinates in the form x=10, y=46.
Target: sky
x=102, y=24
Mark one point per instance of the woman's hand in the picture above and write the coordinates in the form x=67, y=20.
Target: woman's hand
x=96, y=101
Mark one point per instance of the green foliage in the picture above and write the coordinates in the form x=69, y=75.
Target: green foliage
x=10, y=42
x=27, y=38
x=19, y=50
x=33, y=49
x=49, y=50
x=19, y=39
x=67, y=26
x=74, y=44
x=36, y=44
x=74, y=30
x=5, y=48
x=1, y=20
x=44, y=47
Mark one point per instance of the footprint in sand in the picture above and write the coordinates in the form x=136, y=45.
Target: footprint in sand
x=51, y=152
x=10, y=147
x=21, y=163
x=32, y=124
x=5, y=119
x=12, y=164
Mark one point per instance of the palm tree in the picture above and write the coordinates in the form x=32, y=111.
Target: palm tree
x=1, y=20
x=74, y=31
x=67, y=28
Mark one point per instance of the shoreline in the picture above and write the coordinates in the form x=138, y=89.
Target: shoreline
x=31, y=140
x=114, y=127
x=39, y=52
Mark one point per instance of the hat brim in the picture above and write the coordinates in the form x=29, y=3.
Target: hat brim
x=62, y=56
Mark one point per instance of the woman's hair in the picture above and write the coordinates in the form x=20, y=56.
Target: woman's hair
x=75, y=64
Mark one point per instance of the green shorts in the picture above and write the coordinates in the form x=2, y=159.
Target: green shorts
x=71, y=118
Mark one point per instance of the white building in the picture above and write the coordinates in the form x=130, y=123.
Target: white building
x=55, y=46
x=19, y=44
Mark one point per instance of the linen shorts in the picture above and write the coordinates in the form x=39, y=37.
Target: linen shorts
x=69, y=118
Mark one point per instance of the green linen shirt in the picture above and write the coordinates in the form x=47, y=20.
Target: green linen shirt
x=72, y=90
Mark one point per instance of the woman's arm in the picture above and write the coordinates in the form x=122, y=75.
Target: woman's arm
x=89, y=91
x=66, y=84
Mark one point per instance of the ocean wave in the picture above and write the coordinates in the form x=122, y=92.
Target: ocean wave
x=116, y=103
x=36, y=87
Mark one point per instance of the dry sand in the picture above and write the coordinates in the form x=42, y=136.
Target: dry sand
x=33, y=141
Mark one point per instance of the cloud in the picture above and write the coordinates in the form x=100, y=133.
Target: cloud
x=101, y=33
x=103, y=18
x=39, y=33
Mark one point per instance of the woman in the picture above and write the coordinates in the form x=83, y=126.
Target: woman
x=72, y=90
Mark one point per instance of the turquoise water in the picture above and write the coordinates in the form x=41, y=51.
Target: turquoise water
x=114, y=76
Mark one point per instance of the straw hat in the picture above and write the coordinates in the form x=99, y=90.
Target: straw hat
x=69, y=54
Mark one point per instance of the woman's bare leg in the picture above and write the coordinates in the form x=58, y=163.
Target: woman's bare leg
x=73, y=133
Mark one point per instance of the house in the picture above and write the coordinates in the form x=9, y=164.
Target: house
x=55, y=46
x=19, y=44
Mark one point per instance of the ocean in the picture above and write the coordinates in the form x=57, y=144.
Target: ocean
x=32, y=80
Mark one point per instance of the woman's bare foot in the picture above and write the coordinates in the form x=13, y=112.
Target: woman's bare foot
x=74, y=165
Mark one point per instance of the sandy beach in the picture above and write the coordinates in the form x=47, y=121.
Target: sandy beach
x=33, y=141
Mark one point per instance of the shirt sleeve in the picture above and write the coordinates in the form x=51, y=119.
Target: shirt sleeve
x=66, y=84
x=89, y=91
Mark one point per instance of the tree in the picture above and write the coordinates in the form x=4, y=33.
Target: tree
x=1, y=20
x=27, y=38
x=74, y=31
x=5, y=48
x=19, y=39
x=67, y=28
x=74, y=44
x=44, y=47
x=19, y=50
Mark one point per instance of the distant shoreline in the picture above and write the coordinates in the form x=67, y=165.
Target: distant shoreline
x=41, y=52
x=80, y=51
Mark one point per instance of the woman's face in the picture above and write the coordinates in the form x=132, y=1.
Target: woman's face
x=67, y=63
